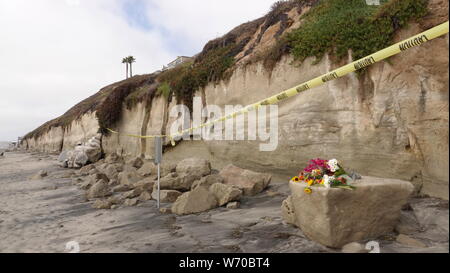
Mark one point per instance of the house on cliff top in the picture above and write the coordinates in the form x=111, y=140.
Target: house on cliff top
x=179, y=60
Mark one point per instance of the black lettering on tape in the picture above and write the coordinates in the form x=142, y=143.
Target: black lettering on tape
x=330, y=77
x=413, y=42
x=282, y=96
x=302, y=88
x=366, y=62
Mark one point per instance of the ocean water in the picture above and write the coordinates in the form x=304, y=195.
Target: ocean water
x=4, y=145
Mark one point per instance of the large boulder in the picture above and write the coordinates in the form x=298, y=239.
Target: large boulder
x=136, y=162
x=207, y=181
x=131, y=202
x=432, y=216
x=81, y=155
x=335, y=217
x=98, y=190
x=179, y=182
x=191, y=166
x=92, y=179
x=79, y=158
x=225, y=193
x=122, y=188
x=63, y=156
x=407, y=223
x=166, y=196
x=102, y=204
x=85, y=185
x=95, y=142
x=111, y=170
x=93, y=153
x=129, y=177
x=251, y=183
x=66, y=159
x=146, y=184
x=147, y=169
x=133, y=193
x=145, y=196
x=113, y=158
x=99, y=176
x=287, y=211
x=165, y=168
x=198, y=200
x=93, y=171
x=86, y=169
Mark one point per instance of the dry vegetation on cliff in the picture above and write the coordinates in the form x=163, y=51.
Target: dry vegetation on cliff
x=136, y=89
x=106, y=102
x=332, y=27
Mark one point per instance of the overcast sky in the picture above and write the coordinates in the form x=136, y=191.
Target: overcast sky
x=54, y=53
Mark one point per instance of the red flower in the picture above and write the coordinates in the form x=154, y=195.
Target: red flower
x=342, y=180
x=316, y=164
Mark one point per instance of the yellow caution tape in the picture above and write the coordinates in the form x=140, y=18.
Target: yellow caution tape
x=136, y=136
x=335, y=74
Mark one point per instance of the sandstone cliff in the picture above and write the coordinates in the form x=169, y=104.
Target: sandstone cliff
x=391, y=121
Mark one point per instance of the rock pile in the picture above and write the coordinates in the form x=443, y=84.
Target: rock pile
x=251, y=183
x=112, y=182
x=189, y=185
x=207, y=191
x=82, y=154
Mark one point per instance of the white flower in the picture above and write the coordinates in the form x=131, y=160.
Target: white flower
x=333, y=165
x=326, y=182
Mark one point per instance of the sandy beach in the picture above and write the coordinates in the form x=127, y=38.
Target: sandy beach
x=44, y=215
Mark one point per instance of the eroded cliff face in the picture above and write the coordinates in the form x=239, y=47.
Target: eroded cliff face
x=51, y=142
x=59, y=139
x=390, y=122
x=140, y=120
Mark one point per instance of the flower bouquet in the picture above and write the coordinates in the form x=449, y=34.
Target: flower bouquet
x=324, y=173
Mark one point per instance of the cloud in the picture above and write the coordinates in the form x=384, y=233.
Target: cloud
x=56, y=53
x=189, y=25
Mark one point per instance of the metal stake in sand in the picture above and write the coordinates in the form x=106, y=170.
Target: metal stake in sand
x=158, y=159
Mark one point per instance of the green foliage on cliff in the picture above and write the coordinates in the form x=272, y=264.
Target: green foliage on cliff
x=164, y=90
x=212, y=66
x=337, y=26
x=332, y=27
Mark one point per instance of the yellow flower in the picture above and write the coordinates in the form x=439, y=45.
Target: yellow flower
x=308, y=190
x=310, y=182
x=316, y=172
x=295, y=179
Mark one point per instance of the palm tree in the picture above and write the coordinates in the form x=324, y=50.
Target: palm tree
x=125, y=61
x=131, y=60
